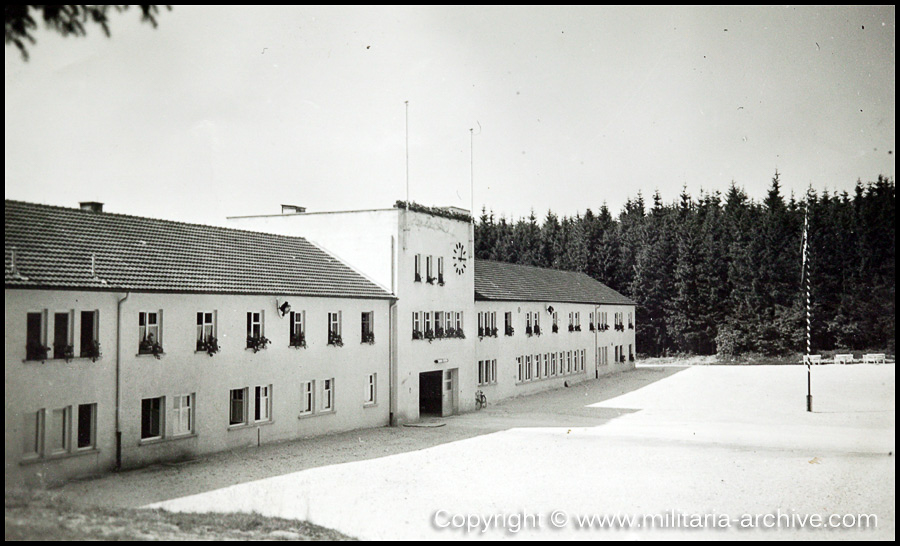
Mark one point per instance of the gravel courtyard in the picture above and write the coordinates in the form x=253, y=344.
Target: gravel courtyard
x=714, y=444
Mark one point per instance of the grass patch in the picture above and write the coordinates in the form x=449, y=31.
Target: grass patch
x=43, y=515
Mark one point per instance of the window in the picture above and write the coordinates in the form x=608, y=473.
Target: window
x=416, y=325
x=459, y=323
x=521, y=375
x=87, y=426
x=151, y=418
x=552, y=363
x=562, y=363
x=35, y=345
x=328, y=395
x=370, y=389
x=34, y=433
x=334, y=329
x=537, y=366
x=149, y=332
x=307, y=397
x=58, y=441
x=569, y=362
x=528, y=330
x=537, y=324
x=571, y=322
x=438, y=324
x=418, y=271
x=481, y=317
x=206, y=328
x=182, y=414
x=487, y=372
x=90, y=333
x=508, y=326
x=428, y=329
x=555, y=322
x=263, y=403
x=238, y=407
x=440, y=264
x=616, y=355
x=527, y=367
x=367, y=330
x=297, y=331
x=578, y=321
x=448, y=322
x=630, y=322
x=428, y=271
x=62, y=335
x=546, y=365
x=254, y=327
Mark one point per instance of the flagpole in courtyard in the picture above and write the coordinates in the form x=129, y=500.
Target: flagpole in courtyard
x=804, y=277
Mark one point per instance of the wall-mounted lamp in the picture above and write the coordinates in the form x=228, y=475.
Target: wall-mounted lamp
x=550, y=309
x=284, y=307
x=440, y=360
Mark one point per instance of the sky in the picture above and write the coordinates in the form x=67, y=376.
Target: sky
x=230, y=111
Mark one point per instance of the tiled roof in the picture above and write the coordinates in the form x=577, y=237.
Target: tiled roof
x=512, y=282
x=54, y=247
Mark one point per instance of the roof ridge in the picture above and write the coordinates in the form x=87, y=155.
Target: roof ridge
x=156, y=220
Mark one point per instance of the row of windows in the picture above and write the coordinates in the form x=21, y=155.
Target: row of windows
x=61, y=329
x=487, y=323
x=534, y=367
x=437, y=324
x=50, y=433
x=487, y=372
x=429, y=269
x=59, y=431
x=618, y=354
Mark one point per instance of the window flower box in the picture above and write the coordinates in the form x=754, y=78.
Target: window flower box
x=257, y=342
x=210, y=345
x=36, y=351
x=537, y=330
x=510, y=331
x=334, y=338
x=64, y=350
x=429, y=335
x=555, y=328
x=368, y=337
x=150, y=347
x=528, y=331
x=298, y=340
x=416, y=334
x=92, y=351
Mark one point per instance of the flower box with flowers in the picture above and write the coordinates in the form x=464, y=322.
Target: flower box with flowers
x=416, y=334
x=298, y=340
x=537, y=330
x=510, y=331
x=334, y=339
x=555, y=328
x=64, y=351
x=429, y=335
x=36, y=351
x=257, y=343
x=210, y=345
x=149, y=347
x=630, y=326
x=571, y=327
x=438, y=332
x=528, y=330
x=591, y=327
x=368, y=337
x=429, y=279
x=92, y=351
x=493, y=332
x=440, y=280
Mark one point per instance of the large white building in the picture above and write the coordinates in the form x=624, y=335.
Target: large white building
x=134, y=340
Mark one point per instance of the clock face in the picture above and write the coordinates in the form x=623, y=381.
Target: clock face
x=459, y=258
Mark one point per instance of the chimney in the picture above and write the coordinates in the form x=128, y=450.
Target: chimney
x=292, y=209
x=91, y=206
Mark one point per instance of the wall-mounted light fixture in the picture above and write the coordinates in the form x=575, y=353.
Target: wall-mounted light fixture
x=550, y=309
x=284, y=307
